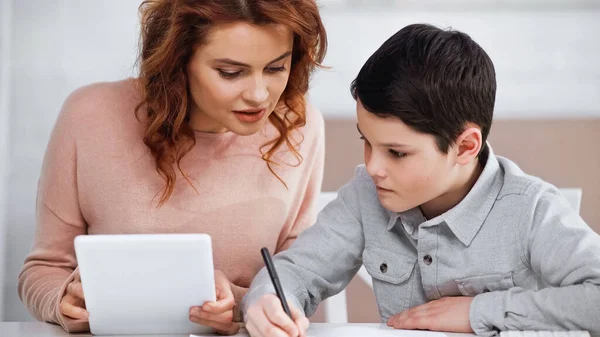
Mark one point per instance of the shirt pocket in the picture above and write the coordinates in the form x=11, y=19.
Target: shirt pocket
x=391, y=273
x=474, y=285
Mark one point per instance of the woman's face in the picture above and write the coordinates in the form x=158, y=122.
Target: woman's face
x=237, y=76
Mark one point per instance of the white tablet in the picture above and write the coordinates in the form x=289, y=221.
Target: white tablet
x=145, y=283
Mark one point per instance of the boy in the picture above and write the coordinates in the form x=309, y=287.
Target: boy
x=456, y=238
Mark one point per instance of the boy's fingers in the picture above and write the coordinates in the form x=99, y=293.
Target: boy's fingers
x=259, y=325
x=275, y=313
x=302, y=323
x=300, y=319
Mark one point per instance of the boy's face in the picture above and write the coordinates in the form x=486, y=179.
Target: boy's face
x=407, y=166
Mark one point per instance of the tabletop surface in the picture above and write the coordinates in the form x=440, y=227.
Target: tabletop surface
x=39, y=329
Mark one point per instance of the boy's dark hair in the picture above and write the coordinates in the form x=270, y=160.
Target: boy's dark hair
x=434, y=81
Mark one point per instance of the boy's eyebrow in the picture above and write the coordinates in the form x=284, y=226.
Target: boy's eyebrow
x=240, y=64
x=384, y=144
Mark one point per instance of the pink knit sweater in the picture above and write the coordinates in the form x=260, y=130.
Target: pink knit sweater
x=99, y=177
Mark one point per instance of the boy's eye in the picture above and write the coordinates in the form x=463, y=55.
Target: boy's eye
x=229, y=74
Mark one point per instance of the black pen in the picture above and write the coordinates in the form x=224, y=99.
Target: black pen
x=275, y=279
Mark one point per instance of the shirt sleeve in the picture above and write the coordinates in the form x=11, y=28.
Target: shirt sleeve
x=323, y=259
x=565, y=252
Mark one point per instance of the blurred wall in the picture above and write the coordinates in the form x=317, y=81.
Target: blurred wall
x=546, y=60
x=5, y=25
x=57, y=46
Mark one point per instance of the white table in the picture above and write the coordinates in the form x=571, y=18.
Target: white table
x=38, y=329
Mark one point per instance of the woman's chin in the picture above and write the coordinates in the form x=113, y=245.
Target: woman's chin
x=247, y=129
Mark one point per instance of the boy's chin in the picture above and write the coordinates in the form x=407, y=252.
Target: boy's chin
x=396, y=206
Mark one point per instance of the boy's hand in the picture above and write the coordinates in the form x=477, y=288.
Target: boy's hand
x=266, y=318
x=448, y=314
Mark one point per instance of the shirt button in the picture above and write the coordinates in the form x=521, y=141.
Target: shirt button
x=427, y=259
x=383, y=267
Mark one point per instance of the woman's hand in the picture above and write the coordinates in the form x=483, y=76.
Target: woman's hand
x=72, y=304
x=218, y=315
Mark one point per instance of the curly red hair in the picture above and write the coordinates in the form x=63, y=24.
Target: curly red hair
x=171, y=29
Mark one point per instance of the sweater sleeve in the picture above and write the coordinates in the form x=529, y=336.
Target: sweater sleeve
x=51, y=264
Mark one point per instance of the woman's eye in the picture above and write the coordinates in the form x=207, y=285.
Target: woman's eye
x=276, y=69
x=229, y=74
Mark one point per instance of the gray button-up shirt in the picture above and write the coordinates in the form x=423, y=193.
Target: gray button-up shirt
x=514, y=243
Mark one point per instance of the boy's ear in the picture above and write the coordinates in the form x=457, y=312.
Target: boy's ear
x=468, y=144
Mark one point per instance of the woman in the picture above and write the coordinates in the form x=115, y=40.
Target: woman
x=214, y=136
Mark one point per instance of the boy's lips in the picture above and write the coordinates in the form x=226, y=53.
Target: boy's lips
x=379, y=188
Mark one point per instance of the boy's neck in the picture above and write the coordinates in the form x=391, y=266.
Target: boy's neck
x=465, y=181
